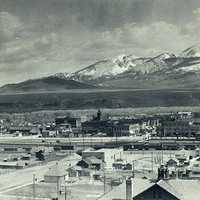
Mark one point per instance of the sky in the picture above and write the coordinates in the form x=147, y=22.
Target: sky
x=43, y=37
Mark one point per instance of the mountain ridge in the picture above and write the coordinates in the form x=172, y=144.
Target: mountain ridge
x=165, y=70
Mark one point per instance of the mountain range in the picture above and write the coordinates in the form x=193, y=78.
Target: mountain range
x=164, y=71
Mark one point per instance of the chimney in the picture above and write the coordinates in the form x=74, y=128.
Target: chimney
x=129, y=188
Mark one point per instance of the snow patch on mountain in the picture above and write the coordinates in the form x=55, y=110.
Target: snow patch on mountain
x=192, y=68
x=64, y=75
x=131, y=66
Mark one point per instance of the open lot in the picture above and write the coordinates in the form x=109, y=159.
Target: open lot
x=82, y=189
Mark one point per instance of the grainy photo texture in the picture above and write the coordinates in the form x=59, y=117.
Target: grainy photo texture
x=99, y=99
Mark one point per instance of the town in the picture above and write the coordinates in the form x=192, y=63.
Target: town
x=119, y=157
x=99, y=100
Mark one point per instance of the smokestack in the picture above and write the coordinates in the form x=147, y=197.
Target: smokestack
x=129, y=188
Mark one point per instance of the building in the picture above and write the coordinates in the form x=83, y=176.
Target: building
x=12, y=165
x=56, y=174
x=120, y=164
x=194, y=167
x=120, y=130
x=144, y=189
x=178, y=129
x=78, y=171
x=108, y=156
x=197, y=136
x=95, y=126
x=24, y=130
x=111, y=128
x=172, y=162
x=73, y=121
x=91, y=163
x=134, y=129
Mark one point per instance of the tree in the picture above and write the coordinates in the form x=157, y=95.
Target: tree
x=39, y=155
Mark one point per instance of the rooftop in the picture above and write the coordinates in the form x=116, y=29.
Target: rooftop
x=57, y=170
x=93, y=160
x=181, y=189
x=107, y=150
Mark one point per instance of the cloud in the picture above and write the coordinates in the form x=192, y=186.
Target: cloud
x=145, y=39
x=38, y=48
x=10, y=27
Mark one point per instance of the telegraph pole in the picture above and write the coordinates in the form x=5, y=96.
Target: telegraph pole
x=57, y=187
x=133, y=169
x=33, y=186
x=152, y=161
x=104, y=179
x=65, y=192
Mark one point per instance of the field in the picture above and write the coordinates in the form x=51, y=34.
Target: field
x=86, y=99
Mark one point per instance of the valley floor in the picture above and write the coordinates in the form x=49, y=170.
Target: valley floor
x=92, y=99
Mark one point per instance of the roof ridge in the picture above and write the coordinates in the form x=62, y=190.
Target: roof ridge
x=171, y=189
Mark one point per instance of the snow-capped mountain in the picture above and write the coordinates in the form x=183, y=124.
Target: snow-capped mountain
x=165, y=70
x=136, y=72
x=104, y=69
x=114, y=68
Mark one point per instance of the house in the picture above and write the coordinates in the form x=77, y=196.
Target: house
x=26, y=157
x=78, y=171
x=107, y=155
x=144, y=189
x=194, y=168
x=65, y=130
x=197, y=136
x=172, y=162
x=197, y=152
x=12, y=165
x=176, y=189
x=56, y=174
x=91, y=163
x=20, y=130
x=182, y=155
x=134, y=129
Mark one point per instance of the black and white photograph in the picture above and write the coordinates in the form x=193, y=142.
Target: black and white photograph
x=99, y=100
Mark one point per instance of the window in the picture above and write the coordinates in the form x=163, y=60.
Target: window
x=160, y=194
x=154, y=194
x=157, y=194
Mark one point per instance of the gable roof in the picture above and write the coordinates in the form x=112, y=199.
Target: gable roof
x=179, y=188
x=169, y=188
x=56, y=170
x=186, y=189
x=93, y=160
x=140, y=185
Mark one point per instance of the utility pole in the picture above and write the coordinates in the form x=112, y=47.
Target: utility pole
x=57, y=187
x=65, y=192
x=104, y=179
x=133, y=169
x=152, y=161
x=83, y=140
x=33, y=186
x=116, y=137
